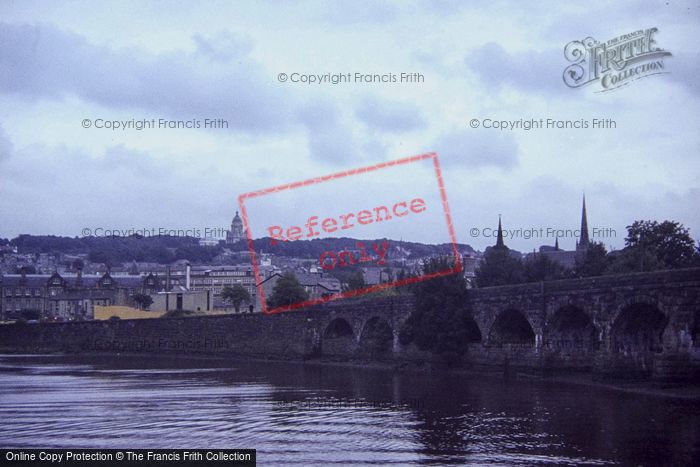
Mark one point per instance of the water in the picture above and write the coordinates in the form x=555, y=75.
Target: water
x=321, y=415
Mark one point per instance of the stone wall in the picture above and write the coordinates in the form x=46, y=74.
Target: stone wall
x=636, y=326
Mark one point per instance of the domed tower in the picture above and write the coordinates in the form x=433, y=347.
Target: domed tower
x=236, y=233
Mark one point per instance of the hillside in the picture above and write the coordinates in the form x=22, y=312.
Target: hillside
x=166, y=249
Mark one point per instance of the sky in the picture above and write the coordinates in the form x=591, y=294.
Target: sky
x=67, y=65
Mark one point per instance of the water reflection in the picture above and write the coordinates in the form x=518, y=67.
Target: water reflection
x=319, y=415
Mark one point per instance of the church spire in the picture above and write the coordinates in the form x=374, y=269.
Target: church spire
x=583, y=239
x=499, y=240
x=556, y=244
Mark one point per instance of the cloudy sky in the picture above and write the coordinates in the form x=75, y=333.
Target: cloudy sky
x=62, y=63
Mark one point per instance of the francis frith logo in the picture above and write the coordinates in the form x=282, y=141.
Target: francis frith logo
x=616, y=63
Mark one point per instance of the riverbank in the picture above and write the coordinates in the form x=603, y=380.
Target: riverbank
x=684, y=391
x=681, y=391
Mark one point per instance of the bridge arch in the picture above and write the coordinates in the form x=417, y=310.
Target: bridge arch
x=338, y=328
x=338, y=338
x=511, y=327
x=571, y=330
x=473, y=332
x=376, y=337
x=638, y=328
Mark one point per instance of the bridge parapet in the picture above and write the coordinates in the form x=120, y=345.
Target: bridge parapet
x=679, y=277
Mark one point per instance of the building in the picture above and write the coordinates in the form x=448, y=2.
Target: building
x=568, y=259
x=236, y=234
x=182, y=299
x=316, y=285
x=375, y=276
x=163, y=280
x=208, y=241
x=501, y=245
x=215, y=278
x=469, y=265
x=583, y=243
x=212, y=279
x=66, y=297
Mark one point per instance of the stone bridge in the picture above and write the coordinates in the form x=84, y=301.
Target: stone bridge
x=634, y=325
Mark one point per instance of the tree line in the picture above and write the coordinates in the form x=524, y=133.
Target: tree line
x=116, y=250
x=649, y=246
x=166, y=249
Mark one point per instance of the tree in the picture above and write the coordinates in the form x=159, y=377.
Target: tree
x=356, y=281
x=287, y=291
x=142, y=300
x=634, y=260
x=236, y=295
x=593, y=262
x=440, y=322
x=499, y=267
x=650, y=245
x=27, y=269
x=539, y=267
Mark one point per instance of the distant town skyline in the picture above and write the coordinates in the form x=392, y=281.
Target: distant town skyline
x=68, y=68
x=563, y=236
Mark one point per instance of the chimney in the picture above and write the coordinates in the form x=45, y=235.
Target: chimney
x=167, y=279
x=23, y=272
x=188, y=270
x=79, y=278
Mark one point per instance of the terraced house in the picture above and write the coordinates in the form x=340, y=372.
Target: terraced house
x=66, y=297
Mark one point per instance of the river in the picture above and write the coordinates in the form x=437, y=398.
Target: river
x=296, y=414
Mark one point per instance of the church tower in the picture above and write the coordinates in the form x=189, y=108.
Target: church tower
x=500, y=245
x=583, y=242
x=236, y=233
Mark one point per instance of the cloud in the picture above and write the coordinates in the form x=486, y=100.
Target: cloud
x=223, y=47
x=529, y=71
x=5, y=145
x=685, y=69
x=474, y=149
x=62, y=189
x=329, y=140
x=218, y=80
x=443, y=7
x=354, y=12
x=390, y=116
